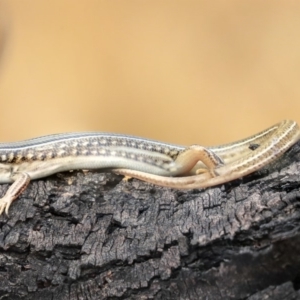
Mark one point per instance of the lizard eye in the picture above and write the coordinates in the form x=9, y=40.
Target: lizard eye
x=253, y=146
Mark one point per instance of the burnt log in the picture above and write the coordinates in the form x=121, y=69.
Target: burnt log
x=92, y=235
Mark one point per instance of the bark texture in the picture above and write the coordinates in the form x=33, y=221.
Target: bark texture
x=90, y=235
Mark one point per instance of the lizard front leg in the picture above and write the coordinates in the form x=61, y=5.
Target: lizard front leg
x=188, y=159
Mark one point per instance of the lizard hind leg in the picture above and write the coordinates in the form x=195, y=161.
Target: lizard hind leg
x=19, y=185
x=196, y=160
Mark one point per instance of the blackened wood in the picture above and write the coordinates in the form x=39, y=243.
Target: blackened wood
x=90, y=235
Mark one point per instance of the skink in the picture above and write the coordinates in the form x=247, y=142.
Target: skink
x=159, y=163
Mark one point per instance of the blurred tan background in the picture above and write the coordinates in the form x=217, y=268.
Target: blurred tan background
x=186, y=72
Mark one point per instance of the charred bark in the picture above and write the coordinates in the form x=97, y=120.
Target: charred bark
x=90, y=235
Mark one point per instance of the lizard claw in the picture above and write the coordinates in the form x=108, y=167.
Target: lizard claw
x=5, y=203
